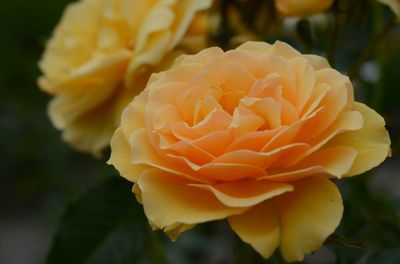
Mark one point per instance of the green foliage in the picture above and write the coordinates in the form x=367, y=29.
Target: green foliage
x=104, y=225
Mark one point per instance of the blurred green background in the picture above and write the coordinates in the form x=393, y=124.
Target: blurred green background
x=40, y=175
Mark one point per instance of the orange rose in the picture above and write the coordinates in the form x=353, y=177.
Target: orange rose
x=253, y=135
x=102, y=54
x=302, y=8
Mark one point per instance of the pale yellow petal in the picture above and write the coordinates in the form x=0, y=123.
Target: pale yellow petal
x=169, y=200
x=371, y=142
x=259, y=227
x=308, y=215
x=121, y=157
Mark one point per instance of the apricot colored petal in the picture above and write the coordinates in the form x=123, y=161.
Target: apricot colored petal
x=308, y=215
x=166, y=93
x=181, y=203
x=261, y=159
x=246, y=193
x=238, y=78
x=255, y=46
x=267, y=108
x=371, y=142
x=244, y=122
x=230, y=171
x=281, y=66
x=165, y=115
x=347, y=121
x=214, y=143
x=248, y=61
x=191, y=151
x=288, y=133
x=132, y=117
x=305, y=79
x=217, y=120
x=143, y=153
x=335, y=161
x=205, y=57
x=279, y=48
x=266, y=87
x=121, y=157
x=259, y=227
x=334, y=103
x=255, y=140
x=317, y=62
x=212, y=172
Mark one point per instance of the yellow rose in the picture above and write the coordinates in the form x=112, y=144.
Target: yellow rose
x=394, y=5
x=302, y=8
x=253, y=135
x=99, y=44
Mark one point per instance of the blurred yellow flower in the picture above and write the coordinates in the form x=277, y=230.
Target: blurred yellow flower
x=394, y=5
x=102, y=54
x=302, y=8
x=252, y=135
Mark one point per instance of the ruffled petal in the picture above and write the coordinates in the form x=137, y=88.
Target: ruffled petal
x=246, y=193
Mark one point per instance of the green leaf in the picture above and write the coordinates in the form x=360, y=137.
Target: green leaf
x=104, y=225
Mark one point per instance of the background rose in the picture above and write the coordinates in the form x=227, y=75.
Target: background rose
x=394, y=5
x=302, y=8
x=97, y=44
x=252, y=135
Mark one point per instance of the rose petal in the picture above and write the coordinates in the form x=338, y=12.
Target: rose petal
x=246, y=193
x=371, y=142
x=308, y=215
x=261, y=159
x=143, y=153
x=335, y=161
x=259, y=227
x=121, y=157
x=169, y=200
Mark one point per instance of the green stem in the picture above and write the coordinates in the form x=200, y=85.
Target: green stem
x=340, y=19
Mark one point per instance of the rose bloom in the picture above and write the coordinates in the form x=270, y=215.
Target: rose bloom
x=102, y=54
x=302, y=8
x=253, y=135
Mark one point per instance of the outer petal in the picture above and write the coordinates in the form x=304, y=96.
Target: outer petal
x=372, y=142
x=259, y=227
x=247, y=192
x=168, y=200
x=308, y=215
x=121, y=156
